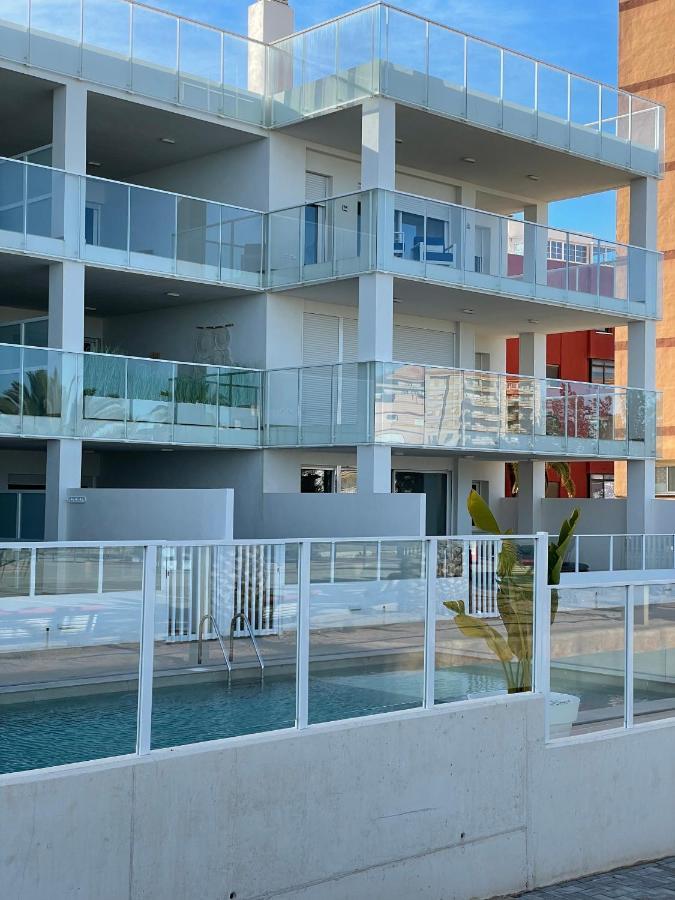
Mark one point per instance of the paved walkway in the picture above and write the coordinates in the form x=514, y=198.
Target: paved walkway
x=650, y=881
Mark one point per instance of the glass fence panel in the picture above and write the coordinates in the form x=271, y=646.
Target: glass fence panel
x=283, y=246
x=207, y=598
x=282, y=402
x=244, y=67
x=583, y=406
x=45, y=199
x=588, y=663
x=519, y=93
x=11, y=389
x=241, y=250
x=484, y=82
x=49, y=393
x=69, y=656
x=318, y=404
x=584, y=103
x=12, y=196
x=399, y=404
x=106, y=42
x=482, y=650
x=152, y=229
x=198, y=238
x=654, y=652
x=239, y=406
x=55, y=38
x=444, y=397
x=195, y=392
x=150, y=385
x=14, y=30
x=319, y=50
x=644, y=122
x=105, y=407
x=199, y=66
x=481, y=420
x=154, y=70
x=367, y=611
x=106, y=221
x=552, y=100
x=447, y=70
x=357, y=55
x=404, y=70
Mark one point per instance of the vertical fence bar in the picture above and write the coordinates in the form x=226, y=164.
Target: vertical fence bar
x=628, y=683
x=32, y=570
x=99, y=585
x=542, y=625
x=302, y=664
x=430, y=624
x=145, y=671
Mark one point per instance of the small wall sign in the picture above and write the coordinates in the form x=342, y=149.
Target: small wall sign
x=77, y=499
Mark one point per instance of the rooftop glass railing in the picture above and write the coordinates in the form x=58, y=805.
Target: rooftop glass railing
x=55, y=213
x=385, y=50
x=410, y=405
x=135, y=47
x=454, y=245
x=54, y=393
x=375, y=50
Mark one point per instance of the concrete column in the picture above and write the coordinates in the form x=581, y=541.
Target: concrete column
x=532, y=484
x=64, y=471
x=269, y=20
x=465, y=336
x=467, y=252
x=643, y=269
x=378, y=144
x=373, y=469
x=641, y=474
x=66, y=298
x=532, y=354
x=535, y=264
x=462, y=488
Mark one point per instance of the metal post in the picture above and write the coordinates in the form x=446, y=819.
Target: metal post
x=146, y=664
x=542, y=624
x=302, y=649
x=611, y=553
x=629, y=630
x=430, y=624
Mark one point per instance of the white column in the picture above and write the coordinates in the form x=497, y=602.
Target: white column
x=64, y=471
x=535, y=244
x=378, y=144
x=531, y=473
x=269, y=20
x=467, y=253
x=463, y=478
x=66, y=298
x=465, y=338
x=641, y=358
x=532, y=354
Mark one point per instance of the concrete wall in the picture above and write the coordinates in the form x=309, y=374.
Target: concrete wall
x=343, y=515
x=150, y=514
x=462, y=801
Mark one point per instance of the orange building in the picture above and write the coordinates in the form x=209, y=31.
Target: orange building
x=647, y=67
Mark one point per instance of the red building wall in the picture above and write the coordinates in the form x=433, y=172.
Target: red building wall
x=572, y=352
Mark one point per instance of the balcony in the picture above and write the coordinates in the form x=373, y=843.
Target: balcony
x=385, y=50
x=414, y=237
x=425, y=407
x=49, y=212
x=52, y=393
x=133, y=48
x=48, y=393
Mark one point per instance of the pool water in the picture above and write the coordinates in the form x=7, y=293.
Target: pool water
x=74, y=729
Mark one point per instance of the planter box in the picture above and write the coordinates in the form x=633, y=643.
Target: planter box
x=154, y=411
x=201, y=414
x=108, y=409
x=238, y=418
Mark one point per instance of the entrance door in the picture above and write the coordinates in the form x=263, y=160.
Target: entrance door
x=434, y=485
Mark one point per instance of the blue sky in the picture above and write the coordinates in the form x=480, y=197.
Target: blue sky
x=580, y=35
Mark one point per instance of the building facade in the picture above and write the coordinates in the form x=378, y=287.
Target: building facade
x=289, y=264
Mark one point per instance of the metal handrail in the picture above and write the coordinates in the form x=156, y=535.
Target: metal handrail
x=245, y=619
x=204, y=618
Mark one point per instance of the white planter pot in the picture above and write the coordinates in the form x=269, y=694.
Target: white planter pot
x=109, y=409
x=562, y=711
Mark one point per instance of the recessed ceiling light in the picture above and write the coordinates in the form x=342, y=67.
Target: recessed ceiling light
x=533, y=177
x=168, y=140
x=172, y=294
x=469, y=159
x=399, y=140
x=468, y=312
x=396, y=300
x=90, y=308
x=533, y=321
x=166, y=449
x=95, y=163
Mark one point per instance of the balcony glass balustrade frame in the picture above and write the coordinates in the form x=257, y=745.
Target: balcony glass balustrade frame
x=378, y=49
x=48, y=212
x=51, y=393
x=422, y=239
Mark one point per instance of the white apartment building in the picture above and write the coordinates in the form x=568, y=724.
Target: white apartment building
x=287, y=263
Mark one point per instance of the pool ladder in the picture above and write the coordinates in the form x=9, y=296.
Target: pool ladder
x=228, y=657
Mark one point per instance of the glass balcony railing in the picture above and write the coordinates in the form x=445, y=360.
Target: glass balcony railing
x=376, y=50
x=409, y=405
x=441, y=242
x=53, y=393
x=47, y=211
x=385, y=50
x=133, y=47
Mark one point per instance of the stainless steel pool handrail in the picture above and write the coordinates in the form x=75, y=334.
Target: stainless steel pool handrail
x=247, y=622
x=200, y=642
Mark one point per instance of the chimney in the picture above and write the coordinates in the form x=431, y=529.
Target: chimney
x=269, y=20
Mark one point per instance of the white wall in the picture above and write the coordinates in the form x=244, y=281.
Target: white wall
x=343, y=515
x=416, y=804
x=150, y=514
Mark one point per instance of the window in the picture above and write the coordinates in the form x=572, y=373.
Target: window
x=341, y=480
x=481, y=362
x=602, y=371
x=577, y=253
x=552, y=371
x=556, y=250
x=601, y=487
x=665, y=479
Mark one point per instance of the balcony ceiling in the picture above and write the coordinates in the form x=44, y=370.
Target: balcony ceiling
x=492, y=314
x=436, y=145
x=26, y=111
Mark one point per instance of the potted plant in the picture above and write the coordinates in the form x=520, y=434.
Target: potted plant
x=196, y=397
x=103, y=392
x=515, y=602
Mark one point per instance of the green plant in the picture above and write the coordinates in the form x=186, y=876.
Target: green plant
x=198, y=388
x=515, y=597
x=561, y=469
x=40, y=395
